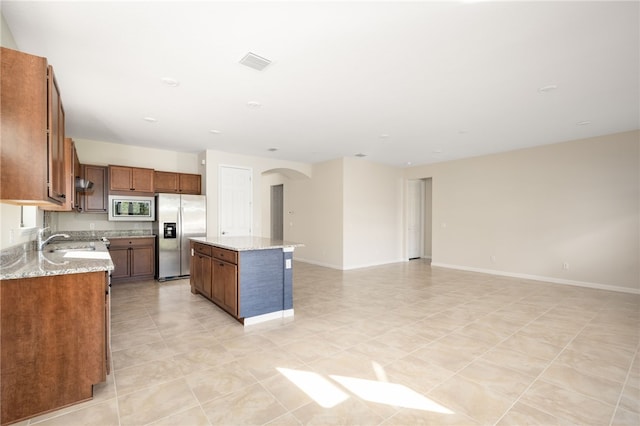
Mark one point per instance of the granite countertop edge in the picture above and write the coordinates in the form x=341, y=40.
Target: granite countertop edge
x=129, y=237
x=246, y=243
x=97, y=235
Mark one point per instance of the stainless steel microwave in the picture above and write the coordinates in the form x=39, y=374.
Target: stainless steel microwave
x=128, y=208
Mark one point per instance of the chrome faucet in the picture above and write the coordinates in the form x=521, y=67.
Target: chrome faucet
x=41, y=243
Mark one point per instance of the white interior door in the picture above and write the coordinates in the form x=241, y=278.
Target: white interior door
x=415, y=234
x=235, y=201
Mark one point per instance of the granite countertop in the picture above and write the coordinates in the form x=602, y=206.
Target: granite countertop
x=81, y=257
x=246, y=243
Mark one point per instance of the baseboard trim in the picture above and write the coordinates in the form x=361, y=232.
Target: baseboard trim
x=371, y=265
x=552, y=280
x=349, y=268
x=313, y=262
x=268, y=317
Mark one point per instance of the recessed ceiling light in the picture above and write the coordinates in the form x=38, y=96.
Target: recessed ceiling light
x=384, y=136
x=172, y=82
x=150, y=119
x=408, y=163
x=361, y=155
x=254, y=104
x=254, y=61
x=548, y=88
x=214, y=131
x=437, y=151
x=583, y=123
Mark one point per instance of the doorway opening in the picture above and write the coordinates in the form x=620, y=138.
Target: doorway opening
x=277, y=212
x=419, y=219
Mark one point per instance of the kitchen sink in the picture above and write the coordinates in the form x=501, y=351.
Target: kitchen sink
x=83, y=251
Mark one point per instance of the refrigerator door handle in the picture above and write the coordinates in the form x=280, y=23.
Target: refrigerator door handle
x=179, y=230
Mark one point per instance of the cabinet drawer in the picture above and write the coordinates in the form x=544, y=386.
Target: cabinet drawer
x=226, y=255
x=131, y=242
x=203, y=249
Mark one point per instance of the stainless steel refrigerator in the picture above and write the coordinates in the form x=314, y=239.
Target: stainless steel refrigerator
x=178, y=217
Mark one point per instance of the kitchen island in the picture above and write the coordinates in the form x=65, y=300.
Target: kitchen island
x=249, y=277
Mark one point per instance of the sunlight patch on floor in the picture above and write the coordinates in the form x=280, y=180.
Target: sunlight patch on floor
x=390, y=394
x=321, y=390
x=327, y=393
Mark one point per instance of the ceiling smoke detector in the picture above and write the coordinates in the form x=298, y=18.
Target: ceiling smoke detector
x=254, y=61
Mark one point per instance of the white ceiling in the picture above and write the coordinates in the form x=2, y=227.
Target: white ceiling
x=401, y=82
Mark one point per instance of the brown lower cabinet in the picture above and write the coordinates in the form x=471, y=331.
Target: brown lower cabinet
x=224, y=285
x=201, y=272
x=133, y=258
x=215, y=275
x=54, y=342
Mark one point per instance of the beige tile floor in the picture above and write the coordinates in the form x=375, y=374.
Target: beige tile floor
x=401, y=344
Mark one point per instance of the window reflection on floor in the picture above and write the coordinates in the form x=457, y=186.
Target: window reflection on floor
x=328, y=394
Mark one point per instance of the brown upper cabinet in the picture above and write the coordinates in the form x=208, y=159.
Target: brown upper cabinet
x=70, y=160
x=131, y=180
x=94, y=200
x=181, y=183
x=32, y=132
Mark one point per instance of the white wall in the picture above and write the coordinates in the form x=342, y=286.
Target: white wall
x=105, y=153
x=258, y=165
x=318, y=215
x=6, y=38
x=372, y=203
x=348, y=215
x=534, y=209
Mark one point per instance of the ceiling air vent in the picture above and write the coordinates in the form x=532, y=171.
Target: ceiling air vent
x=254, y=61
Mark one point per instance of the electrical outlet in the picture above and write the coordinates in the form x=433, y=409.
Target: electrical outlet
x=565, y=266
x=493, y=259
x=92, y=226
